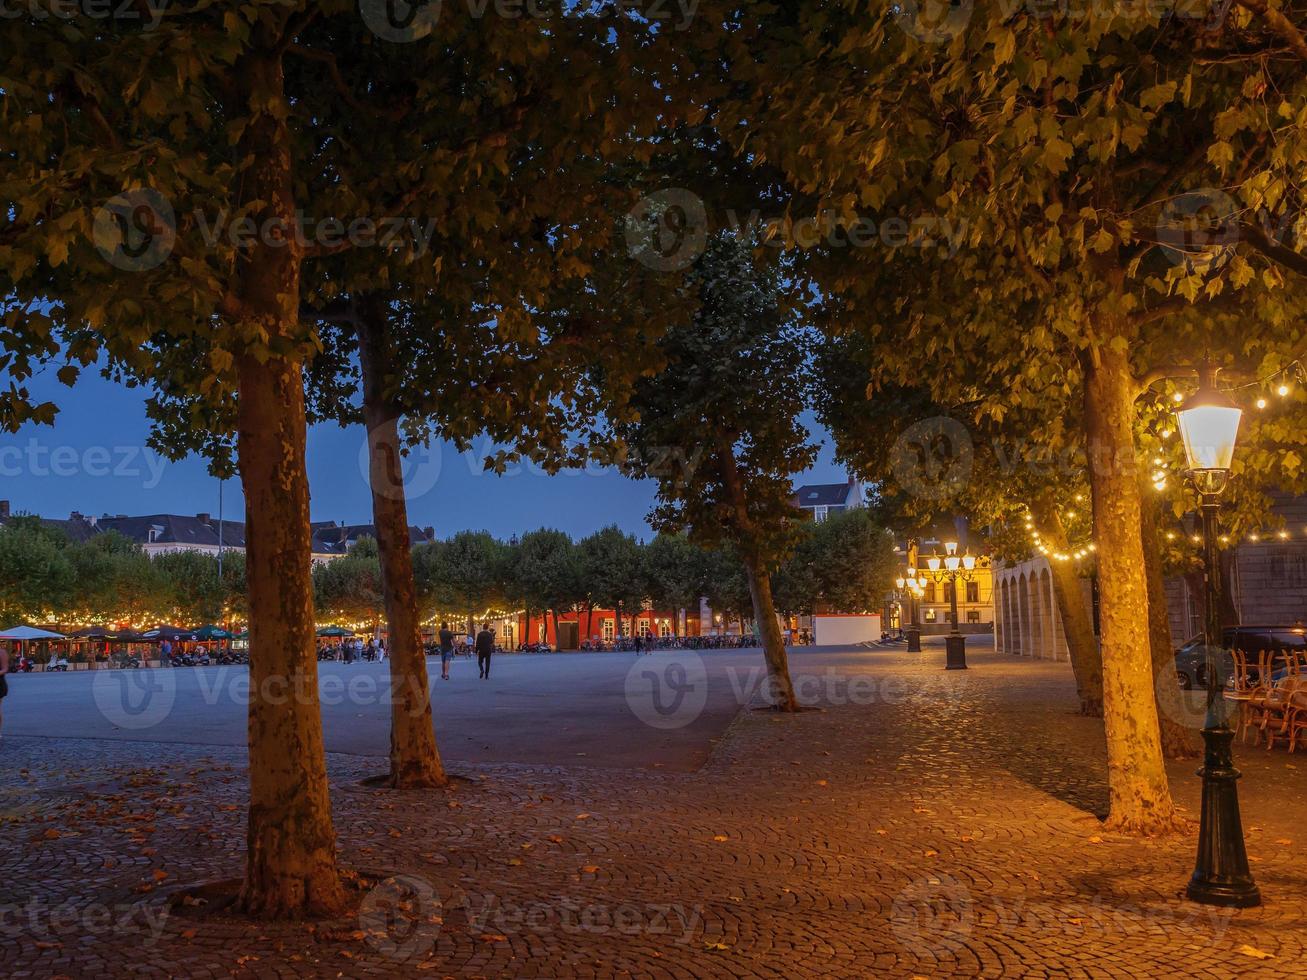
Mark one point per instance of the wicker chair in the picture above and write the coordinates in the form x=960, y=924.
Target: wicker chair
x=1278, y=708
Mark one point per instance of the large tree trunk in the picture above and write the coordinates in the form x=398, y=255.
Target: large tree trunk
x=553, y=615
x=1077, y=625
x=1140, y=797
x=773, y=644
x=290, y=868
x=1178, y=739
x=414, y=758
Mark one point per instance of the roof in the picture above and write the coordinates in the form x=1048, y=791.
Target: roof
x=200, y=530
x=823, y=494
x=330, y=538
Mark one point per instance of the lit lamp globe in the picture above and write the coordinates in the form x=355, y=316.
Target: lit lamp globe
x=933, y=562
x=968, y=562
x=1209, y=426
x=952, y=562
x=900, y=582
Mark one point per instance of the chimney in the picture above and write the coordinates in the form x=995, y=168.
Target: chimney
x=430, y=532
x=75, y=515
x=4, y=510
x=202, y=518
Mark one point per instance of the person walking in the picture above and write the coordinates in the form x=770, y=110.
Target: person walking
x=485, y=646
x=4, y=678
x=446, y=650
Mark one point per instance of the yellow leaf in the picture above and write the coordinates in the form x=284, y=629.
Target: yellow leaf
x=1254, y=952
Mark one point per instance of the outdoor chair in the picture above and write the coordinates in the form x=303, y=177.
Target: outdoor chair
x=1276, y=709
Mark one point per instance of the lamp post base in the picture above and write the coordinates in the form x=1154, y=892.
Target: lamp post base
x=955, y=652
x=914, y=639
x=1221, y=876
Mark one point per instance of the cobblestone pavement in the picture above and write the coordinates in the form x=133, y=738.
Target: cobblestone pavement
x=923, y=823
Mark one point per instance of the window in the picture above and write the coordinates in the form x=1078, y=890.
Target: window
x=644, y=629
x=930, y=591
x=973, y=592
x=665, y=628
x=948, y=591
x=608, y=629
x=973, y=615
x=948, y=617
x=819, y=514
x=930, y=616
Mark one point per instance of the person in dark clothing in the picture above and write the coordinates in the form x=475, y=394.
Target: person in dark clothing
x=485, y=646
x=446, y=650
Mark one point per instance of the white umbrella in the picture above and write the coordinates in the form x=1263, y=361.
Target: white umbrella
x=29, y=633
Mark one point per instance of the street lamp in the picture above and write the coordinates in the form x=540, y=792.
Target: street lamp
x=1209, y=425
x=909, y=589
x=956, y=568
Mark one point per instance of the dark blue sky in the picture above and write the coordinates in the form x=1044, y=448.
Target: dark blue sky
x=94, y=460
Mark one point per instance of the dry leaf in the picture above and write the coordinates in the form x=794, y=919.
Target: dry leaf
x=718, y=947
x=492, y=937
x=590, y=869
x=1095, y=840
x=721, y=837
x=1254, y=952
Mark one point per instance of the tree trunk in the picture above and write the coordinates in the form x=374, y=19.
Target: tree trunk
x=553, y=614
x=589, y=619
x=527, y=638
x=773, y=643
x=1178, y=740
x=1077, y=625
x=290, y=868
x=1140, y=797
x=414, y=758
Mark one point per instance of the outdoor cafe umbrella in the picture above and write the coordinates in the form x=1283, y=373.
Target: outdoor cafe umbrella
x=171, y=633
x=26, y=633
x=97, y=633
x=207, y=634
x=335, y=631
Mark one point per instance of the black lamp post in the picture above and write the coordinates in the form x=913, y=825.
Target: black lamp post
x=956, y=568
x=1209, y=425
x=909, y=590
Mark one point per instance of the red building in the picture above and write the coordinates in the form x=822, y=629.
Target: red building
x=601, y=624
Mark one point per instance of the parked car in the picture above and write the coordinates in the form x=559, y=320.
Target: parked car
x=1191, y=659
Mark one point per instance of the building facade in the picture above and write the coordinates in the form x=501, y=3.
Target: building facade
x=162, y=533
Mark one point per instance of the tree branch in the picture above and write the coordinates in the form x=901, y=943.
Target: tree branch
x=1278, y=23
x=1256, y=237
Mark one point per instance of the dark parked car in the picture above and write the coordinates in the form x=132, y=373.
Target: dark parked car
x=1191, y=661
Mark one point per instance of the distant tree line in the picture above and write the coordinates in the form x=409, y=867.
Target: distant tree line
x=845, y=562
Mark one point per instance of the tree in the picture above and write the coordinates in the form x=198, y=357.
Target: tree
x=195, y=592
x=673, y=568
x=36, y=578
x=349, y=588
x=1041, y=141
x=728, y=387
x=855, y=561
x=611, y=567
x=546, y=572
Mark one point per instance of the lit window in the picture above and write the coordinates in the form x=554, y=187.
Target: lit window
x=608, y=629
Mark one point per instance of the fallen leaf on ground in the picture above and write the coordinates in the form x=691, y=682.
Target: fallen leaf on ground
x=721, y=837
x=1254, y=952
x=590, y=869
x=716, y=946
